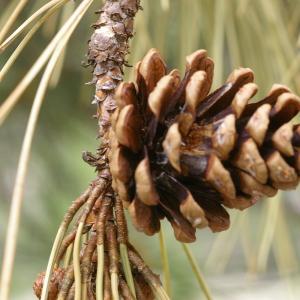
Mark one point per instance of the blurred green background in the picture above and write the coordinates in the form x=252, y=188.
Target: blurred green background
x=258, y=258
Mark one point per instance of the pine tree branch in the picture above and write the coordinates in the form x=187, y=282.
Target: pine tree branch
x=108, y=48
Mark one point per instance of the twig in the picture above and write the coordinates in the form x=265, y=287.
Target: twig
x=86, y=264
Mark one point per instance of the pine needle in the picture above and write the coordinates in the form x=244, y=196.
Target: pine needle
x=14, y=218
x=165, y=262
x=223, y=246
x=218, y=43
x=12, y=19
x=246, y=240
x=54, y=252
x=28, y=21
x=76, y=261
x=114, y=286
x=127, y=268
x=197, y=271
x=9, y=63
x=159, y=292
x=13, y=98
x=283, y=248
x=292, y=71
x=84, y=291
x=17, y=199
x=165, y=4
x=68, y=256
x=100, y=272
x=67, y=11
x=59, y=238
x=270, y=215
x=7, y=11
x=242, y=7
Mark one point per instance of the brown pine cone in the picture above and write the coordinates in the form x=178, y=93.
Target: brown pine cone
x=184, y=154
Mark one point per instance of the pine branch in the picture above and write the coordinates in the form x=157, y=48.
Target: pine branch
x=108, y=48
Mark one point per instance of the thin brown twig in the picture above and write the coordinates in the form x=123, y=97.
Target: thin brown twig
x=102, y=217
x=77, y=204
x=112, y=246
x=86, y=263
x=99, y=189
x=92, y=281
x=121, y=222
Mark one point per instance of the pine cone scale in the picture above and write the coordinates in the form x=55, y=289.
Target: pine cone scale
x=282, y=139
x=196, y=152
x=189, y=208
x=145, y=187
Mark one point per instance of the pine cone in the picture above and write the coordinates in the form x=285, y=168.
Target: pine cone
x=184, y=154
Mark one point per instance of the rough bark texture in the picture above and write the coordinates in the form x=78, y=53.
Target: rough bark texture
x=108, y=48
